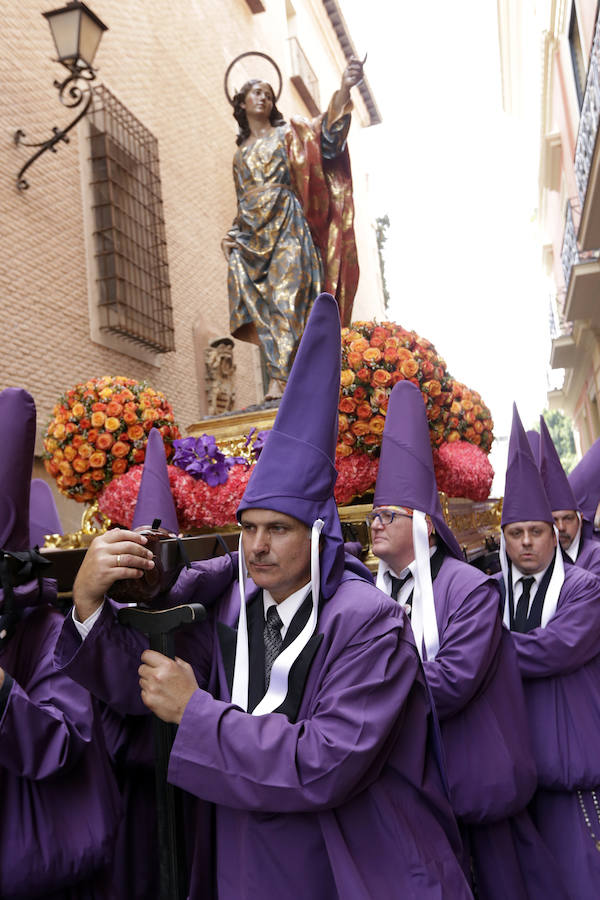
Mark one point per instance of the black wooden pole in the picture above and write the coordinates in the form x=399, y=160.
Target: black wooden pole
x=160, y=626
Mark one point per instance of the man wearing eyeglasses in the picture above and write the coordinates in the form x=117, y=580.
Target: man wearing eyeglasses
x=468, y=659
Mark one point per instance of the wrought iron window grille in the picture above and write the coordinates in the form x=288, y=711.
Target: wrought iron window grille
x=129, y=228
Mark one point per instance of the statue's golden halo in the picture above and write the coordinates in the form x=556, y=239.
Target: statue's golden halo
x=256, y=53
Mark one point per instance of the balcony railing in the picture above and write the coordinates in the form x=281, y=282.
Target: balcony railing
x=557, y=323
x=571, y=255
x=590, y=118
x=581, y=273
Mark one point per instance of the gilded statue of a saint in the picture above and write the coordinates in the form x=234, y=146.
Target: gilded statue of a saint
x=293, y=235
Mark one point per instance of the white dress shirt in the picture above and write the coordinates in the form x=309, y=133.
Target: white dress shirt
x=84, y=628
x=287, y=608
x=517, y=585
x=407, y=588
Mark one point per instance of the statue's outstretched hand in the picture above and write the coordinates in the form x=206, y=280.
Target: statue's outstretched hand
x=353, y=73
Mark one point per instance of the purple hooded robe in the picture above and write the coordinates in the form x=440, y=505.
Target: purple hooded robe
x=560, y=494
x=560, y=667
x=476, y=686
x=338, y=794
x=474, y=680
x=588, y=555
x=59, y=806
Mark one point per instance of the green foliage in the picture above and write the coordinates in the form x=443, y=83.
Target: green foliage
x=381, y=226
x=561, y=432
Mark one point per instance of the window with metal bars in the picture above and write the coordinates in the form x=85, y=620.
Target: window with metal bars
x=134, y=296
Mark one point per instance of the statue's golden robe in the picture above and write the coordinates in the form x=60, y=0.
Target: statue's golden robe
x=294, y=234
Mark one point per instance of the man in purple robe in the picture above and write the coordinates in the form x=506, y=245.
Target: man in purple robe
x=468, y=659
x=314, y=737
x=580, y=548
x=554, y=615
x=585, y=481
x=59, y=806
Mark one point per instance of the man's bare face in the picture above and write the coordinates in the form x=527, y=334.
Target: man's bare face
x=393, y=543
x=567, y=522
x=277, y=551
x=530, y=545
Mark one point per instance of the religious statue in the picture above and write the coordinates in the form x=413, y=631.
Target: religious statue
x=293, y=235
x=220, y=369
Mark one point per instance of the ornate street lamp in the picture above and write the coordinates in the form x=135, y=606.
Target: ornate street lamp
x=76, y=31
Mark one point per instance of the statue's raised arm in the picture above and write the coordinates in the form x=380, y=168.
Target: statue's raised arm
x=293, y=235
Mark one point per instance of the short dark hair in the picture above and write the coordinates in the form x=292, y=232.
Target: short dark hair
x=239, y=113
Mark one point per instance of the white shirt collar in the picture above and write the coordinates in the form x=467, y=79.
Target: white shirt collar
x=288, y=608
x=537, y=576
x=388, y=572
x=573, y=548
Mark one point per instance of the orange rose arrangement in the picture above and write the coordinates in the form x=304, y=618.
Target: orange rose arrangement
x=375, y=356
x=470, y=419
x=99, y=429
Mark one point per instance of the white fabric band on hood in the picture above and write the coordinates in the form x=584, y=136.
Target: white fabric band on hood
x=382, y=568
x=278, y=684
x=423, y=618
x=552, y=594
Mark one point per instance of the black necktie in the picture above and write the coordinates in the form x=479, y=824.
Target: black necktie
x=522, y=613
x=273, y=640
x=398, y=584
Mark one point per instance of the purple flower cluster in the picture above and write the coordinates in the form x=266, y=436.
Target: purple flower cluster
x=258, y=443
x=202, y=458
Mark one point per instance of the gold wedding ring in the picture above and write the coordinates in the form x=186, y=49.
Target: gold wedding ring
x=118, y=560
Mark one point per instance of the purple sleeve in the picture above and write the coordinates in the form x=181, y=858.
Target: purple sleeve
x=266, y=763
x=468, y=644
x=589, y=557
x=570, y=639
x=204, y=581
x=106, y=663
x=47, y=721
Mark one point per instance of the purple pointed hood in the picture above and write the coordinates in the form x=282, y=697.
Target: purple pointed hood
x=534, y=442
x=406, y=475
x=556, y=484
x=585, y=482
x=43, y=514
x=17, y=411
x=525, y=499
x=155, y=500
x=295, y=473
